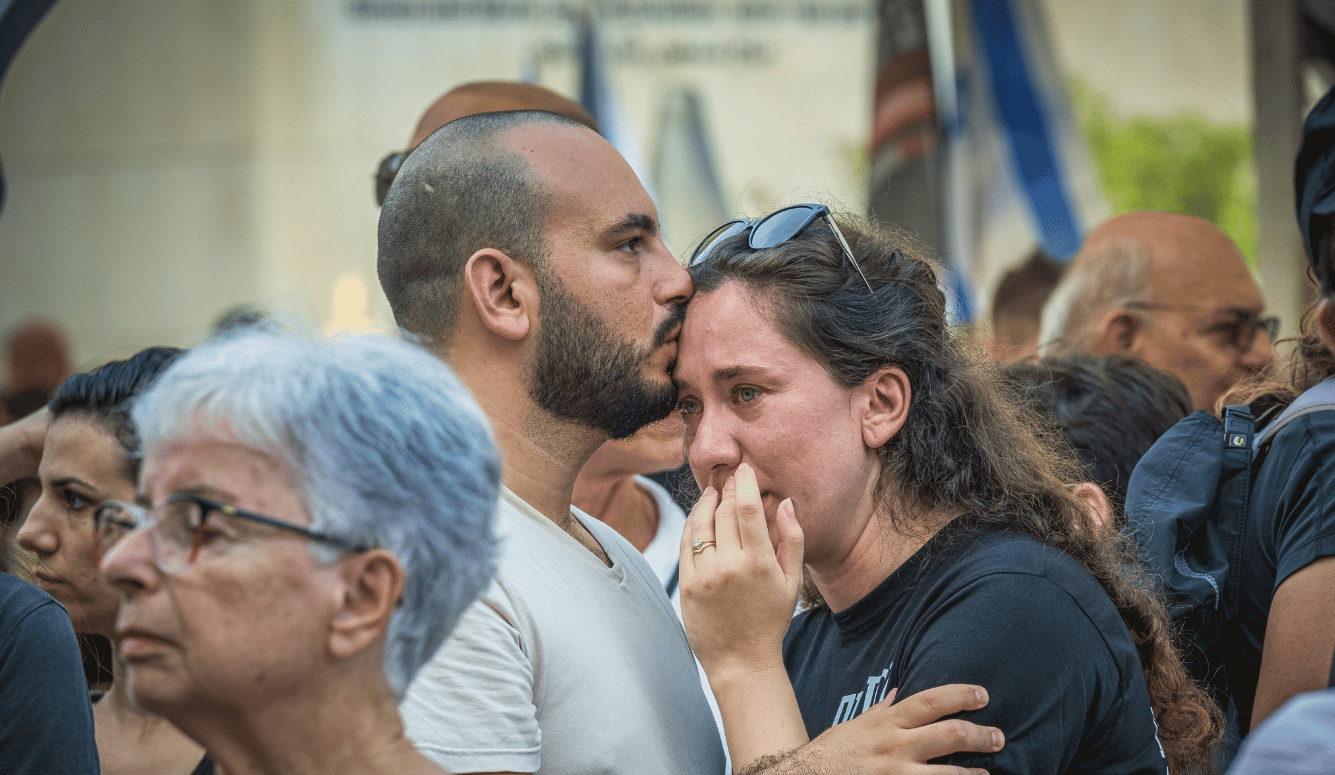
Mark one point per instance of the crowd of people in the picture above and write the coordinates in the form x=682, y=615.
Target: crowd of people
x=443, y=551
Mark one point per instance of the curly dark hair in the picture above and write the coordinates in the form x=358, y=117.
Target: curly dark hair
x=965, y=449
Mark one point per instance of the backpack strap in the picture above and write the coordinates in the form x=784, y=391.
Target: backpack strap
x=1234, y=495
x=1320, y=397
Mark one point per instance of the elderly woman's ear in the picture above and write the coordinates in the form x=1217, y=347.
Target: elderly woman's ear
x=884, y=399
x=372, y=584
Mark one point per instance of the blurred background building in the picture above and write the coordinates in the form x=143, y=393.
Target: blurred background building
x=168, y=162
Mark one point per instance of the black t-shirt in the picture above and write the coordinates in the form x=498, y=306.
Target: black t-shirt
x=1290, y=524
x=1003, y=611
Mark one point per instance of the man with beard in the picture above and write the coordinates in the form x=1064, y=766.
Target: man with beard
x=521, y=248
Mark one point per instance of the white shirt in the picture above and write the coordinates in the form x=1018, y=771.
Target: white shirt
x=564, y=665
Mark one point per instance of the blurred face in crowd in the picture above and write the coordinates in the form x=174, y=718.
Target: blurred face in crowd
x=82, y=466
x=1206, y=326
x=241, y=622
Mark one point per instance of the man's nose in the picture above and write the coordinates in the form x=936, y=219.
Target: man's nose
x=672, y=285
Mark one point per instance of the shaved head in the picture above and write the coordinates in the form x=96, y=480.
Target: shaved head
x=494, y=96
x=462, y=189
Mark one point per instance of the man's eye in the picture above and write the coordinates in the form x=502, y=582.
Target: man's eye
x=747, y=394
x=1232, y=331
x=688, y=406
x=631, y=246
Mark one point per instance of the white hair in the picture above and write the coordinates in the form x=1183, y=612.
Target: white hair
x=387, y=446
x=1099, y=279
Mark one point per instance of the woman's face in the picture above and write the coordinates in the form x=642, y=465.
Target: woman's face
x=246, y=621
x=749, y=395
x=82, y=466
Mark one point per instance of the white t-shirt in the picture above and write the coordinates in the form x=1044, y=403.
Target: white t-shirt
x=663, y=555
x=564, y=665
x=664, y=550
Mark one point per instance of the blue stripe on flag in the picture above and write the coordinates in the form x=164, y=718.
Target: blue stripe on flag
x=1032, y=147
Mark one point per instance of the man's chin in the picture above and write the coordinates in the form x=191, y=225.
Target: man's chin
x=638, y=409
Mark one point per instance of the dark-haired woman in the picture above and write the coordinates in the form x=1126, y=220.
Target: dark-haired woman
x=89, y=454
x=833, y=421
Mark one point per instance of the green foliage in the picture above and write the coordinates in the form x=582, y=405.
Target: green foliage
x=1183, y=163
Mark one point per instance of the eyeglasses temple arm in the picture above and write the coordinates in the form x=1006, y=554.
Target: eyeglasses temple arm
x=847, y=250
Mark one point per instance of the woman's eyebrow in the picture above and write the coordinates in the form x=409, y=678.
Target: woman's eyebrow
x=729, y=373
x=65, y=481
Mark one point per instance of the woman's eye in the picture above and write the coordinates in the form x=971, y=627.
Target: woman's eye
x=747, y=394
x=73, y=500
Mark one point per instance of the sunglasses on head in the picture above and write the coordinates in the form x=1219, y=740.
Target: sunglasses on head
x=775, y=229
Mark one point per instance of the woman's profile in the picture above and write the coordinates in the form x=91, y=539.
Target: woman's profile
x=834, y=423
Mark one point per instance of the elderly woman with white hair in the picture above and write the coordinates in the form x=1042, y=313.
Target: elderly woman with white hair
x=312, y=518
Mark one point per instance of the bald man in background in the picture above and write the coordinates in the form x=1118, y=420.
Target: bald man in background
x=1171, y=289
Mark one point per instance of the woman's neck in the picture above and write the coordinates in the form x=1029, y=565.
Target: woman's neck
x=132, y=740
x=351, y=732
x=621, y=504
x=118, y=703
x=877, y=552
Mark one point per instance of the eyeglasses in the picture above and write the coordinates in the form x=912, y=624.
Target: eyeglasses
x=775, y=229
x=1242, y=329
x=384, y=175
x=179, y=528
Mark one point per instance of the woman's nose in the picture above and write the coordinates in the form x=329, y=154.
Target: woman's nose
x=38, y=534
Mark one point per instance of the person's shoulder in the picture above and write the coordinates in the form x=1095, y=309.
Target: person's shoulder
x=1299, y=457
x=18, y=598
x=1311, y=429
x=1026, y=574
x=986, y=552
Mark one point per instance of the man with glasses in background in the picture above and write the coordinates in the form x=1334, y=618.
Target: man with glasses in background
x=1170, y=289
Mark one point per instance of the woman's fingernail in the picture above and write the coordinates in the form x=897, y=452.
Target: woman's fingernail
x=730, y=485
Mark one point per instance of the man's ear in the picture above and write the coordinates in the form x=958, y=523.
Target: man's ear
x=502, y=291
x=1325, y=323
x=1096, y=503
x=372, y=585
x=887, y=394
x=1115, y=333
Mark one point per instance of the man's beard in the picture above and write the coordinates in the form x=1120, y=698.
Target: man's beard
x=584, y=373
